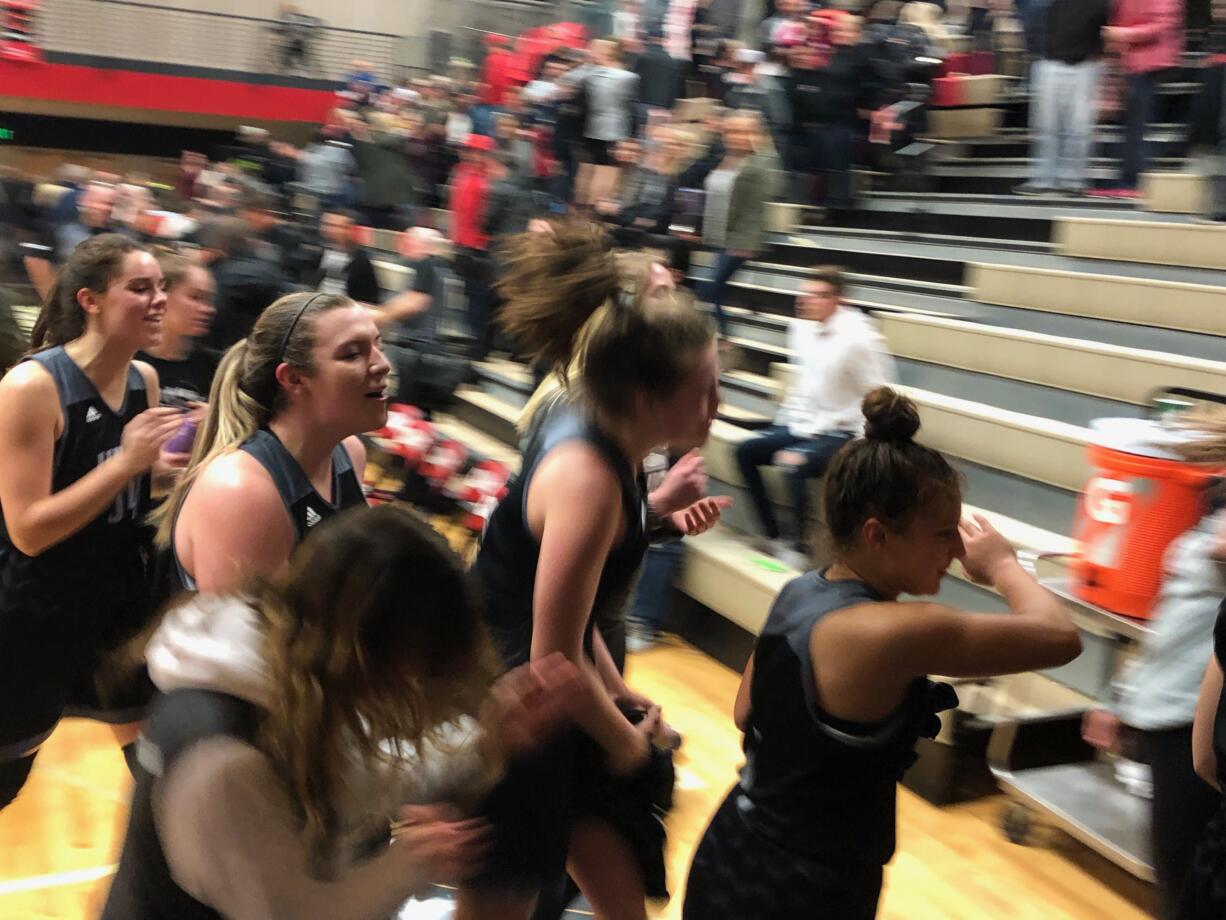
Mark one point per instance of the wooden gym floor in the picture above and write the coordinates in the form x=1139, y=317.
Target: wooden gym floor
x=60, y=839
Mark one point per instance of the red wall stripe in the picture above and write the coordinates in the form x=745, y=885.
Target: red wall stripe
x=98, y=86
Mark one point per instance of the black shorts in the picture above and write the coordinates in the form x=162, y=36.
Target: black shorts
x=738, y=873
x=536, y=805
x=54, y=643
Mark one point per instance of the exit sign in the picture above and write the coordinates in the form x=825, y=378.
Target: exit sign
x=7, y=134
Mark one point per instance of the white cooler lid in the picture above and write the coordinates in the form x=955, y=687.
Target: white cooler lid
x=1141, y=437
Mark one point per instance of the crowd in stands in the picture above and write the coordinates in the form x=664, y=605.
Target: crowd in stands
x=671, y=149
x=667, y=149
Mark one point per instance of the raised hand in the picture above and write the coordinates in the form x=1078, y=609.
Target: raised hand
x=449, y=849
x=986, y=550
x=683, y=485
x=528, y=704
x=701, y=516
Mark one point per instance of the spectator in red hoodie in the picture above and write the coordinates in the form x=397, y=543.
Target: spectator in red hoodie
x=498, y=72
x=1148, y=36
x=470, y=186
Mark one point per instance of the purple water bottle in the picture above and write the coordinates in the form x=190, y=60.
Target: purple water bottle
x=183, y=439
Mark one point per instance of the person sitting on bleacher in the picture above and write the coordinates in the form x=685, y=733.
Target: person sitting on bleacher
x=838, y=357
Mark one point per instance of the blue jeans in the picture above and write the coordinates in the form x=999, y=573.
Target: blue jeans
x=1062, y=121
x=726, y=266
x=1142, y=88
x=760, y=451
x=653, y=594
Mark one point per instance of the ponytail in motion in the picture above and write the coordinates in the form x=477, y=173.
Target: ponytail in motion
x=576, y=306
x=245, y=395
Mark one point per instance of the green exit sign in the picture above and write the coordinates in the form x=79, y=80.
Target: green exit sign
x=7, y=134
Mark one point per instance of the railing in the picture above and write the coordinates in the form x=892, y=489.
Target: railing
x=131, y=30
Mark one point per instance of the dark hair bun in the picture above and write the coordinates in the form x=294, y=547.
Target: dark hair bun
x=889, y=416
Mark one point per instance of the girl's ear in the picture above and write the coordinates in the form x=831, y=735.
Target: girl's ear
x=88, y=301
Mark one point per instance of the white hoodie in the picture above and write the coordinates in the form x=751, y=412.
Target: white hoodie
x=229, y=831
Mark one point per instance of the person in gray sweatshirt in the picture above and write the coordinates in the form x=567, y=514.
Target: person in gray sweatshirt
x=299, y=719
x=1154, y=699
x=324, y=168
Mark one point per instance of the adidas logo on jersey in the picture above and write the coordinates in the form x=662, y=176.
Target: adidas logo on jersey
x=312, y=517
x=92, y=414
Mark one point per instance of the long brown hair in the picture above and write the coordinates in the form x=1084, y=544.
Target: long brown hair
x=571, y=302
x=93, y=265
x=245, y=394
x=373, y=640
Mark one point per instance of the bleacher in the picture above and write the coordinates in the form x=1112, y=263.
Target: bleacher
x=1009, y=346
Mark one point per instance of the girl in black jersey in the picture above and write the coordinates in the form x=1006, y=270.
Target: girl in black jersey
x=79, y=442
x=277, y=452
x=836, y=693
x=185, y=370
x=566, y=541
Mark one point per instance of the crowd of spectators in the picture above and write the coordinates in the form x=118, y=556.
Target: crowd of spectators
x=670, y=146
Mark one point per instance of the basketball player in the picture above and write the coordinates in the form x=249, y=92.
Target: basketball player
x=837, y=694
x=277, y=453
x=185, y=370
x=79, y=442
x=565, y=543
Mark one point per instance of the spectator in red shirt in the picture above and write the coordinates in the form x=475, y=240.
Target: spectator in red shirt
x=498, y=72
x=1148, y=37
x=470, y=185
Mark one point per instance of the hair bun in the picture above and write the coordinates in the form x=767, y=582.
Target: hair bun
x=889, y=416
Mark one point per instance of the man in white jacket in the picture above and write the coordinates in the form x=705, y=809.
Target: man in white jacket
x=838, y=356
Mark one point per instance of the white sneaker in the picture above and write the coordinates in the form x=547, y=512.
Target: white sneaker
x=785, y=551
x=640, y=639
x=764, y=545
x=794, y=558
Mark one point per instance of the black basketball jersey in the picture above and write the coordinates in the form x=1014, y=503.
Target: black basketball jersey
x=506, y=564
x=305, y=506
x=813, y=784
x=91, y=434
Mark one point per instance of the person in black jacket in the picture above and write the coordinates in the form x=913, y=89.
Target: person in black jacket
x=344, y=267
x=1208, y=122
x=511, y=202
x=661, y=76
x=828, y=99
x=246, y=284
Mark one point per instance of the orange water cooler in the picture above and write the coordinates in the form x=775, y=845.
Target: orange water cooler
x=1139, y=498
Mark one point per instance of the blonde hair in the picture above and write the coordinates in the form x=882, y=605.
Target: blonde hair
x=1209, y=445
x=175, y=266
x=245, y=395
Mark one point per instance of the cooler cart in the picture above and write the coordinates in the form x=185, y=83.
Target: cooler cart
x=1041, y=762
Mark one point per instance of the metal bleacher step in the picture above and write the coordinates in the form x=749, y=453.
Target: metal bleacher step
x=1012, y=217
x=1067, y=379
x=1167, y=242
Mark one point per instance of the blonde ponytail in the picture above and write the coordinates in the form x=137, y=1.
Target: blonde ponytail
x=245, y=395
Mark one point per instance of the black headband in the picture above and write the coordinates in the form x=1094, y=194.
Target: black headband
x=292, y=326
